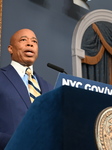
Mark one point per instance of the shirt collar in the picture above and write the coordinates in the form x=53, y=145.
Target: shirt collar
x=20, y=68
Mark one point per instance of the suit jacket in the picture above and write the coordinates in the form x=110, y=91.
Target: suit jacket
x=14, y=101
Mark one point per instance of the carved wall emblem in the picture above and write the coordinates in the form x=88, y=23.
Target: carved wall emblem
x=103, y=129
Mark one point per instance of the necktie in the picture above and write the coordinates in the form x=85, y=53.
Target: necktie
x=32, y=85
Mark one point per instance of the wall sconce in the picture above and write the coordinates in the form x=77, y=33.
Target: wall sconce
x=82, y=3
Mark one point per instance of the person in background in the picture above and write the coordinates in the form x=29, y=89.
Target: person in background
x=14, y=91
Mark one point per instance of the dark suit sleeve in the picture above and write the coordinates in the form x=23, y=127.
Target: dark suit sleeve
x=14, y=103
x=4, y=138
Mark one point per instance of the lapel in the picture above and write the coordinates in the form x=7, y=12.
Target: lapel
x=18, y=84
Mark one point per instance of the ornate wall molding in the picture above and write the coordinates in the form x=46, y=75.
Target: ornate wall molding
x=0, y=23
x=81, y=26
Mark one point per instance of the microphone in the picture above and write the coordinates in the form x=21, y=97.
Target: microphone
x=56, y=68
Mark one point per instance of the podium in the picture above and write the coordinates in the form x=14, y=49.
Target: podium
x=62, y=119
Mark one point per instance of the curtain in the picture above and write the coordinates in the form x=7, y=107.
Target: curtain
x=97, y=43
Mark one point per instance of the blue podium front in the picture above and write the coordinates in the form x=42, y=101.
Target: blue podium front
x=62, y=119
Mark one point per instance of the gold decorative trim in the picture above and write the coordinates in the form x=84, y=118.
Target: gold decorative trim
x=0, y=23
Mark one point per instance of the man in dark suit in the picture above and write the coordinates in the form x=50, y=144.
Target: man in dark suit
x=14, y=95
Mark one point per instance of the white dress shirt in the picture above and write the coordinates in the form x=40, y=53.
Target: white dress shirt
x=21, y=71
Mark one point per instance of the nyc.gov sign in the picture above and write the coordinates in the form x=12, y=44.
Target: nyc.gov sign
x=69, y=80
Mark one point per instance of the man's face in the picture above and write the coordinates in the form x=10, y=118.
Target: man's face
x=24, y=47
